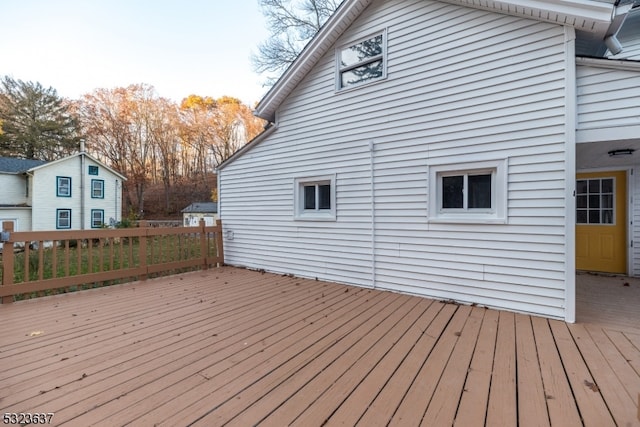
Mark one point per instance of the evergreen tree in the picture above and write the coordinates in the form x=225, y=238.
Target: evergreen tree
x=36, y=122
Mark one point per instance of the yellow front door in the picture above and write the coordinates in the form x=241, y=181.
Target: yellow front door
x=601, y=218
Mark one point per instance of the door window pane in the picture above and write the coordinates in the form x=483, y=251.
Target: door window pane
x=581, y=201
x=595, y=201
x=581, y=216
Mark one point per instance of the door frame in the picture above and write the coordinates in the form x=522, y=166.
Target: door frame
x=628, y=197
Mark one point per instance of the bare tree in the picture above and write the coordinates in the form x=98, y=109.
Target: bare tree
x=292, y=23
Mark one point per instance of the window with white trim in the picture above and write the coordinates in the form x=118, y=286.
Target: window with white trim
x=315, y=198
x=362, y=62
x=470, y=192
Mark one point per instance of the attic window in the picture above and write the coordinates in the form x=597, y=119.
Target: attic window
x=362, y=62
x=93, y=170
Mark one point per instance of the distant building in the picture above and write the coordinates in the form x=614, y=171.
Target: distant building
x=73, y=193
x=192, y=214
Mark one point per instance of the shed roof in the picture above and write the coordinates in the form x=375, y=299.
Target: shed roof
x=201, y=207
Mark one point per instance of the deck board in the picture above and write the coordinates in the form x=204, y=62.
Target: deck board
x=557, y=391
x=592, y=407
x=619, y=402
x=472, y=410
x=231, y=346
x=532, y=411
x=503, y=404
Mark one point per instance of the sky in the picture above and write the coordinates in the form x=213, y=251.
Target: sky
x=180, y=47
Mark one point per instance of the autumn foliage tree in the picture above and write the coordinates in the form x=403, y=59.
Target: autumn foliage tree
x=152, y=140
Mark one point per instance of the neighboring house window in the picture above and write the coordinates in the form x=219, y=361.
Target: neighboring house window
x=315, y=198
x=63, y=186
x=595, y=201
x=97, y=218
x=63, y=218
x=471, y=192
x=93, y=170
x=97, y=189
x=362, y=62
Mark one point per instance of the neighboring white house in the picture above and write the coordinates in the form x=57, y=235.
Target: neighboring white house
x=192, y=214
x=72, y=193
x=448, y=149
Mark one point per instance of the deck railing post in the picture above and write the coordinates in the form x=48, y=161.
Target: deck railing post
x=203, y=244
x=219, y=244
x=143, y=235
x=7, y=260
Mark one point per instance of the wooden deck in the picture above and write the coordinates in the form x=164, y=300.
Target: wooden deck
x=236, y=347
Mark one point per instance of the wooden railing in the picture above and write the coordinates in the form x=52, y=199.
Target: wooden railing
x=38, y=263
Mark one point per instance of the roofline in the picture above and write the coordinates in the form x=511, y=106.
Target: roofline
x=591, y=12
x=346, y=13
x=82, y=153
x=13, y=208
x=588, y=15
x=248, y=146
x=616, y=64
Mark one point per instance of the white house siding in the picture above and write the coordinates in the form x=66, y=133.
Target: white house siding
x=607, y=102
x=14, y=189
x=463, y=85
x=46, y=202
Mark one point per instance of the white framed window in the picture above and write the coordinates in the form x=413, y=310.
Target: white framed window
x=315, y=198
x=468, y=192
x=362, y=62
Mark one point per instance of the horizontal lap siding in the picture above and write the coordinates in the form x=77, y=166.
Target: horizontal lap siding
x=491, y=87
x=607, y=98
x=14, y=189
x=500, y=94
